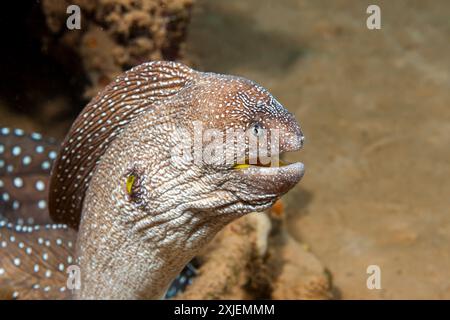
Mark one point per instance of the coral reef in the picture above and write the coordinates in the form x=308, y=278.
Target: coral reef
x=115, y=35
x=255, y=257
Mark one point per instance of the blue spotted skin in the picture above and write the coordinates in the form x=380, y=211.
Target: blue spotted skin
x=182, y=281
x=34, y=251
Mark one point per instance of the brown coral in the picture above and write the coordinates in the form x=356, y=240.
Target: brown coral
x=116, y=34
x=255, y=257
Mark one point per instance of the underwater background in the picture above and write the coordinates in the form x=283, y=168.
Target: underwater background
x=374, y=106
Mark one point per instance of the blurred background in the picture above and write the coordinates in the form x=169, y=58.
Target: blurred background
x=374, y=106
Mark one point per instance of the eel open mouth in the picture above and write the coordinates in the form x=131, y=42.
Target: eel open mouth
x=258, y=163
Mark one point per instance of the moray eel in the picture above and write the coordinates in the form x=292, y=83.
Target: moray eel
x=144, y=194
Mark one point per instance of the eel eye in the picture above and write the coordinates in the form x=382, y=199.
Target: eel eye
x=257, y=129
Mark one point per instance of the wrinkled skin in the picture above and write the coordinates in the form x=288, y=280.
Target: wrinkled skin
x=134, y=239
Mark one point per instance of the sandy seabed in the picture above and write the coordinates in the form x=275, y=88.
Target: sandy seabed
x=374, y=106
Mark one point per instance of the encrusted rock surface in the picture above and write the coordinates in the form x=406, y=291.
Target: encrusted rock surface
x=255, y=258
x=115, y=35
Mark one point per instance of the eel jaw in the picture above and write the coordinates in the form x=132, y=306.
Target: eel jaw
x=277, y=177
x=272, y=180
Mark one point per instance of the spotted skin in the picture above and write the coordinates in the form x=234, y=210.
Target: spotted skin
x=219, y=101
x=25, y=163
x=34, y=260
x=130, y=249
x=178, y=205
x=34, y=251
x=102, y=120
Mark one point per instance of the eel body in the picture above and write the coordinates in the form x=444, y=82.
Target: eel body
x=131, y=123
x=34, y=251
